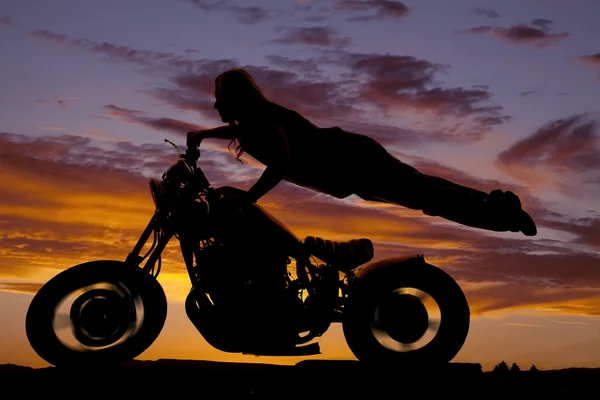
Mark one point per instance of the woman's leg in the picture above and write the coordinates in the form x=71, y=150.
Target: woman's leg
x=397, y=183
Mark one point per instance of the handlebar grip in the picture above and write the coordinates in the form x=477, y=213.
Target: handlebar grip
x=192, y=154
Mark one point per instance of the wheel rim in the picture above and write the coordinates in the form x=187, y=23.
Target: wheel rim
x=97, y=317
x=406, y=319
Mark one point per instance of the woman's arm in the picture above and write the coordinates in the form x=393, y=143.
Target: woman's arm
x=279, y=156
x=221, y=132
x=276, y=170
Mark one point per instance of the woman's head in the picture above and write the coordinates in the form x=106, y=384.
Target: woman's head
x=235, y=93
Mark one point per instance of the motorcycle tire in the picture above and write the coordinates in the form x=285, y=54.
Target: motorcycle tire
x=129, y=285
x=371, y=290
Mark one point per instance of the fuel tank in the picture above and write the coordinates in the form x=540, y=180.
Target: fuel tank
x=256, y=227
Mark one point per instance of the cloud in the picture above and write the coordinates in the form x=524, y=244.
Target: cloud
x=520, y=273
x=145, y=58
x=62, y=103
x=567, y=143
x=79, y=199
x=312, y=36
x=317, y=99
x=307, y=68
x=326, y=102
x=515, y=295
x=534, y=90
x=311, y=12
x=485, y=12
x=538, y=33
x=543, y=23
x=185, y=99
x=560, y=271
x=586, y=230
x=76, y=199
x=20, y=287
x=372, y=9
x=5, y=21
x=592, y=60
x=162, y=124
x=251, y=15
x=358, y=10
x=539, y=91
x=244, y=14
x=65, y=150
x=562, y=152
x=64, y=198
x=370, y=88
x=393, y=81
x=432, y=167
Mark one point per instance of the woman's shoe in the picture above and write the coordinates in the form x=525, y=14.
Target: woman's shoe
x=508, y=205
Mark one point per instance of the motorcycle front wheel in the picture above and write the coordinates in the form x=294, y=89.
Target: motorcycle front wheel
x=96, y=314
x=408, y=315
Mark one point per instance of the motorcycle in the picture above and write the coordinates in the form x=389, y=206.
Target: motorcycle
x=255, y=288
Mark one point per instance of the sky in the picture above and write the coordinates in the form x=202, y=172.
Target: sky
x=488, y=94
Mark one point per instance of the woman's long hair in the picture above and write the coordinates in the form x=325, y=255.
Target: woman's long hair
x=241, y=93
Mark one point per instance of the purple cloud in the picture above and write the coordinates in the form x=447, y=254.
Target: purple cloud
x=543, y=23
x=117, y=173
x=567, y=149
x=244, y=14
x=312, y=36
x=389, y=81
x=538, y=34
x=485, y=12
x=61, y=102
x=567, y=144
x=162, y=124
x=383, y=81
x=381, y=9
x=592, y=60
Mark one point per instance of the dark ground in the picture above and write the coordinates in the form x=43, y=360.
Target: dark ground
x=312, y=378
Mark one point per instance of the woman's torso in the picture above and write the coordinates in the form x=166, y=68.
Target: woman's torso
x=323, y=159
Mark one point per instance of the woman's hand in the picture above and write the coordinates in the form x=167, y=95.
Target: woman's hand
x=194, y=138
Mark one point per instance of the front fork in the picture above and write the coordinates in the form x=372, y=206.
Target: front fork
x=134, y=257
x=189, y=249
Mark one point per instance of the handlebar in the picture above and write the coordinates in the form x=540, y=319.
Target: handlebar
x=191, y=155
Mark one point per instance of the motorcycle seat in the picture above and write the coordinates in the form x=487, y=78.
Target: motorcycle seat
x=346, y=255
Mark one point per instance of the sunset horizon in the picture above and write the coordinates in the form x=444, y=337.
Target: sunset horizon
x=485, y=94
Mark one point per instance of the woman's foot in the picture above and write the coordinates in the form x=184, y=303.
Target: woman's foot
x=508, y=205
x=526, y=224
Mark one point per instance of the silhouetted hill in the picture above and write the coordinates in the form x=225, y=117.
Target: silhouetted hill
x=312, y=378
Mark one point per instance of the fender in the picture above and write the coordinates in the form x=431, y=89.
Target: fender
x=363, y=271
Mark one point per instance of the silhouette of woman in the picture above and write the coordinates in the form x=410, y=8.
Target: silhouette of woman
x=341, y=163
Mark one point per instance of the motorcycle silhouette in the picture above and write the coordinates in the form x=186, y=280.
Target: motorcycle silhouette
x=255, y=288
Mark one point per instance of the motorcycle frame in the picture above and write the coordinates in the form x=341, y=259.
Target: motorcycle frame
x=164, y=227
x=305, y=270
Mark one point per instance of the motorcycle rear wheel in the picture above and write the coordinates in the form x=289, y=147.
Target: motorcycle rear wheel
x=117, y=318
x=407, y=320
